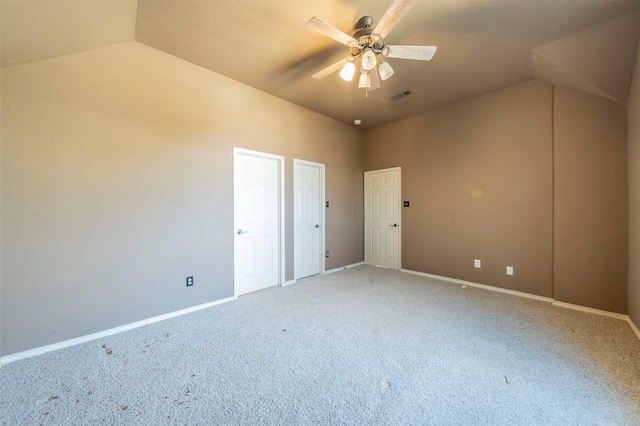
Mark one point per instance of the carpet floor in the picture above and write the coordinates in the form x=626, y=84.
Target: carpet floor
x=361, y=346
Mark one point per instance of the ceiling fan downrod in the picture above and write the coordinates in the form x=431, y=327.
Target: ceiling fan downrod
x=367, y=43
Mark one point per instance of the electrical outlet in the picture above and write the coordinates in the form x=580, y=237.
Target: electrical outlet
x=405, y=203
x=477, y=263
x=509, y=270
x=189, y=281
x=327, y=254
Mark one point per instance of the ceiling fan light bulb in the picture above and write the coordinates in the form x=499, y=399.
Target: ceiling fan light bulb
x=385, y=70
x=347, y=71
x=368, y=60
x=365, y=81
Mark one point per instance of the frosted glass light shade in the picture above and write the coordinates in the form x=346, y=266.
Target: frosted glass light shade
x=346, y=73
x=365, y=81
x=385, y=70
x=368, y=60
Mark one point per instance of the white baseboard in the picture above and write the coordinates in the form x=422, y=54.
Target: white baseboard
x=482, y=286
x=634, y=328
x=82, y=339
x=589, y=310
x=78, y=340
x=600, y=312
x=286, y=283
x=553, y=302
x=342, y=268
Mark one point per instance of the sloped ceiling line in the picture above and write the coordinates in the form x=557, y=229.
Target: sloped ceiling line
x=483, y=45
x=598, y=60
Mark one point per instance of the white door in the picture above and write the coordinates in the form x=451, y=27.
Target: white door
x=257, y=219
x=382, y=218
x=308, y=219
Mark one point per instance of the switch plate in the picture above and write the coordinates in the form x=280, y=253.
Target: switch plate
x=477, y=263
x=189, y=281
x=509, y=270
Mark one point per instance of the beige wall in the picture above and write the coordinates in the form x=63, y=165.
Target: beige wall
x=118, y=185
x=478, y=175
x=590, y=201
x=633, y=114
x=518, y=177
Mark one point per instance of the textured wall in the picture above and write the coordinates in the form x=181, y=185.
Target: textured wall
x=633, y=115
x=516, y=178
x=590, y=201
x=478, y=175
x=118, y=185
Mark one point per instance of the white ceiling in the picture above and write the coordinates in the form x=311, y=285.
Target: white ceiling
x=483, y=45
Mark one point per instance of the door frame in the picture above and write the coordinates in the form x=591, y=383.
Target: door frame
x=321, y=182
x=390, y=169
x=281, y=240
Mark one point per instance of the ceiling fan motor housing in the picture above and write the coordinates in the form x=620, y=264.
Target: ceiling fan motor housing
x=367, y=42
x=364, y=28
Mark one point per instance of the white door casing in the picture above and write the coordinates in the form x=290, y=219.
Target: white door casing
x=308, y=214
x=258, y=182
x=382, y=218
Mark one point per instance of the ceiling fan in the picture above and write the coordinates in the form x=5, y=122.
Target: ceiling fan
x=367, y=44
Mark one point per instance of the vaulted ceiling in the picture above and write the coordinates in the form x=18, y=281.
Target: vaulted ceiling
x=483, y=45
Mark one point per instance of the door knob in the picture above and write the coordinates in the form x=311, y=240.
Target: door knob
x=317, y=226
x=395, y=225
x=240, y=231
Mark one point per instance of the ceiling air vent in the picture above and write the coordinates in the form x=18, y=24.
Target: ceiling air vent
x=400, y=95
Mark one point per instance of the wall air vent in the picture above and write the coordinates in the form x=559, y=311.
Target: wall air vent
x=400, y=95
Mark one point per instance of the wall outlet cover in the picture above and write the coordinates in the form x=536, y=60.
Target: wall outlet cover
x=189, y=281
x=477, y=263
x=509, y=270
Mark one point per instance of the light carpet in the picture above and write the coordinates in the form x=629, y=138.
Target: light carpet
x=362, y=346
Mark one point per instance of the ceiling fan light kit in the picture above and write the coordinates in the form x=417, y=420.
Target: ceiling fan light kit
x=367, y=43
x=365, y=81
x=368, y=60
x=385, y=70
x=347, y=71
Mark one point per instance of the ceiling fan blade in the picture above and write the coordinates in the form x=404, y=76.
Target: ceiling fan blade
x=375, y=79
x=421, y=53
x=329, y=30
x=330, y=69
x=392, y=16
